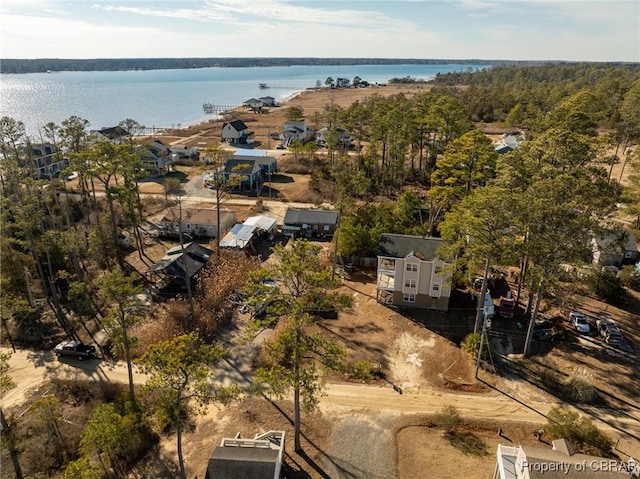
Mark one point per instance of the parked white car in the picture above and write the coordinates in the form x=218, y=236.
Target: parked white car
x=579, y=322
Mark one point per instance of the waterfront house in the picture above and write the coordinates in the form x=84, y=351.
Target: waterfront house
x=254, y=105
x=268, y=100
x=310, y=223
x=115, y=134
x=47, y=160
x=235, y=131
x=411, y=274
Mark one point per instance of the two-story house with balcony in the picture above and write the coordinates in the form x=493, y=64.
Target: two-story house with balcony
x=411, y=274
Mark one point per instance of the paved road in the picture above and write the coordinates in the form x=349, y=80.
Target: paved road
x=30, y=369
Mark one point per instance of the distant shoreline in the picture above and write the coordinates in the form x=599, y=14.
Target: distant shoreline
x=53, y=65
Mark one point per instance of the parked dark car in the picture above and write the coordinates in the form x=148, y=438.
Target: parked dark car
x=75, y=349
x=609, y=332
x=543, y=330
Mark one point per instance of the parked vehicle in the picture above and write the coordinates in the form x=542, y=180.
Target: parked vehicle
x=543, y=330
x=507, y=306
x=75, y=349
x=579, y=322
x=609, y=331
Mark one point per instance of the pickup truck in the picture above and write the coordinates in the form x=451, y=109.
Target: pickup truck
x=75, y=349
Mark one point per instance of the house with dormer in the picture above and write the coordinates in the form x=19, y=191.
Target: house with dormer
x=115, y=134
x=411, y=274
x=235, y=131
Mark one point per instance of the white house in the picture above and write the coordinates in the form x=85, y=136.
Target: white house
x=529, y=462
x=235, y=131
x=615, y=248
x=199, y=222
x=411, y=274
x=294, y=131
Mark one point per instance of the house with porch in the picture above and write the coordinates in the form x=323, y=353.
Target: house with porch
x=259, y=458
x=180, y=264
x=310, y=223
x=156, y=157
x=295, y=131
x=411, y=274
x=235, y=131
x=560, y=461
x=47, y=160
x=246, y=172
x=254, y=105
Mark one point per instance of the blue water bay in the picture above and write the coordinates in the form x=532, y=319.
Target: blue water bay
x=168, y=98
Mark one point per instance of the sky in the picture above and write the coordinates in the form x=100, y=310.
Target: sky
x=572, y=30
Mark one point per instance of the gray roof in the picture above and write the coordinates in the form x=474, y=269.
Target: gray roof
x=237, y=125
x=399, y=246
x=173, y=263
x=242, y=462
x=308, y=216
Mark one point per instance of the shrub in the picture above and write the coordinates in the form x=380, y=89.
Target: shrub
x=578, y=389
x=448, y=418
x=607, y=286
x=471, y=345
x=580, y=431
x=629, y=277
x=361, y=370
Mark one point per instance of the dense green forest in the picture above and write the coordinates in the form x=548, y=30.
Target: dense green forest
x=419, y=165
x=12, y=65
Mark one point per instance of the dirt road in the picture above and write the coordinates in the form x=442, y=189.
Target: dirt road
x=30, y=369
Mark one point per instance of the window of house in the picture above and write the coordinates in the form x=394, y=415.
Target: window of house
x=410, y=283
x=438, y=269
x=326, y=227
x=435, y=287
x=409, y=298
x=412, y=266
x=387, y=264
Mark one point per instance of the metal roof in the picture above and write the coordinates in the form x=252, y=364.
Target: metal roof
x=263, y=222
x=238, y=237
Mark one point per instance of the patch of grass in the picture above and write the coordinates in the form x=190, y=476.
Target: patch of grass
x=468, y=443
